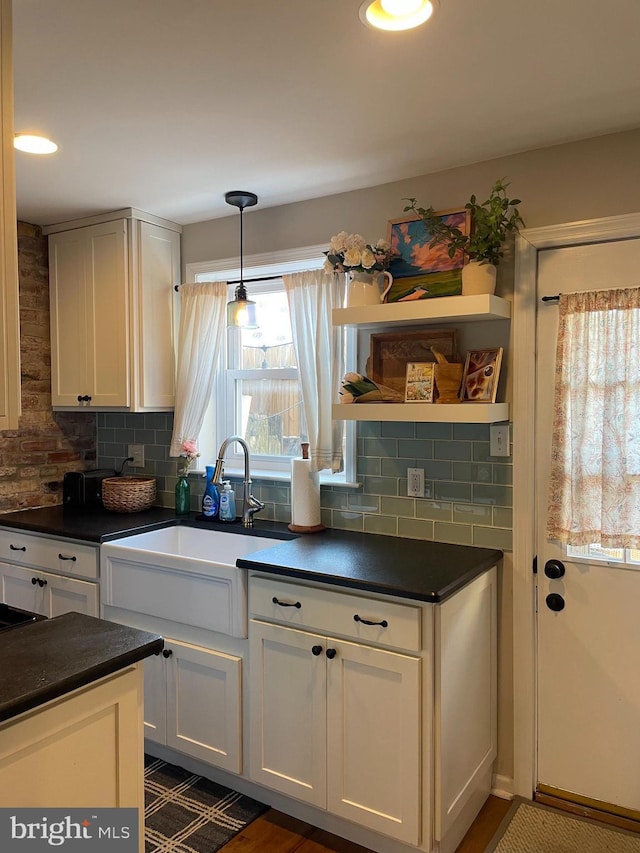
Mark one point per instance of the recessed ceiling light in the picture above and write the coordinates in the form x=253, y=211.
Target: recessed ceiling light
x=396, y=14
x=33, y=144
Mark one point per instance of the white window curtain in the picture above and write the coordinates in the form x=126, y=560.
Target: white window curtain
x=594, y=492
x=320, y=353
x=202, y=325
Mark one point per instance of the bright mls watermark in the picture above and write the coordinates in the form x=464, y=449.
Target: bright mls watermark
x=73, y=830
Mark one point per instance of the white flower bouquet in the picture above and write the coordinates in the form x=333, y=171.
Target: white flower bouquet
x=352, y=253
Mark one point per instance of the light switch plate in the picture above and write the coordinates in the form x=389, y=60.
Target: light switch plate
x=499, y=440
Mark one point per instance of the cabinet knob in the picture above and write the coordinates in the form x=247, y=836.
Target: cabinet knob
x=316, y=650
x=554, y=569
x=34, y=581
x=42, y=582
x=79, y=398
x=166, y=653
x=331, y=653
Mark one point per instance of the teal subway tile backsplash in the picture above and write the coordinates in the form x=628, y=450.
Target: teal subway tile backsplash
x=468, y=494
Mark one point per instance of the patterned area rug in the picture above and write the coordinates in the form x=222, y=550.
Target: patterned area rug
x=185, y=813
x=533, y=828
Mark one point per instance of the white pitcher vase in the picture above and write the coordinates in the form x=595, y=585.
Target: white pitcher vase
x=364, y=288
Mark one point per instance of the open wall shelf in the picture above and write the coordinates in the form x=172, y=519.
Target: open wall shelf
x=456, y=413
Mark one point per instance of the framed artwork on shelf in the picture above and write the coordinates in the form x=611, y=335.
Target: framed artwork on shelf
x=419, y=271
x=390, y=352
x=419, y=384
x=480, y=375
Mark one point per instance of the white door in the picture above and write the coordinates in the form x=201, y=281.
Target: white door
x=588, y=684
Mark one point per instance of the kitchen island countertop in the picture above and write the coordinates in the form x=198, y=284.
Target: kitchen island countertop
x=48, y=659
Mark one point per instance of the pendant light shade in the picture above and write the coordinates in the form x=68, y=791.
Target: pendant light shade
x=241, y=311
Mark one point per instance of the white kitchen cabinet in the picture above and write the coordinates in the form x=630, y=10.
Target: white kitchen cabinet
x=319, y=703
x=47, y=594
x=337, y=724
x=447, y=309
x=9, y=312
x=111, y=293
x=387, y=720
x=48, y=576
x=192, y=703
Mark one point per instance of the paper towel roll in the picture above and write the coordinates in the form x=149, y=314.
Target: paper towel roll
x=305, y=498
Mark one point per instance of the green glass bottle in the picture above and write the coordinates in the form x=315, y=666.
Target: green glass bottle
x=183, y=496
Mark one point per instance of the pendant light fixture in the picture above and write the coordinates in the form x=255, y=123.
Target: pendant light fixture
x=241, y=311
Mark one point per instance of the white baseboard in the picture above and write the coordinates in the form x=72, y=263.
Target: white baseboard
x=502, y=787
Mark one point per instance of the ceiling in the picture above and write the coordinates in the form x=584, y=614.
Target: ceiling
x=164, y=105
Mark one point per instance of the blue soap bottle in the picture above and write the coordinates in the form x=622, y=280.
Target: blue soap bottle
x=211, y=496
x=227, y=502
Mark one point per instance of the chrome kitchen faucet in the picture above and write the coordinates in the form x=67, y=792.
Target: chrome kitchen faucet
x=250, y=504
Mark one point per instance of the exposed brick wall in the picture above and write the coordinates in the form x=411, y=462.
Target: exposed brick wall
x=34, y=457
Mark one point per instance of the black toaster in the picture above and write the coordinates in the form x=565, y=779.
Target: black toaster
x=84, y=488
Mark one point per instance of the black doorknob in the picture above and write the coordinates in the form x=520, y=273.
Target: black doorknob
x=554, y=569
x=166, y=653
x=555, y=602
x=331, y=653
x=316, y=650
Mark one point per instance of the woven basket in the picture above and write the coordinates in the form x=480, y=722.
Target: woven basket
x=128, y=494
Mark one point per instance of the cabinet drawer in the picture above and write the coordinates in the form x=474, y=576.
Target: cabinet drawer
x=329, y=612
x=58, y=555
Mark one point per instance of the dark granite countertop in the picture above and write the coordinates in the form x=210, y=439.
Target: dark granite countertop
x=44, y=660
x=99, y=525
x=410, y=568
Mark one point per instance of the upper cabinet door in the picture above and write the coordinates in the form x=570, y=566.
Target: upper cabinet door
x=9, y=323
x=89, y=280
x=107, y=289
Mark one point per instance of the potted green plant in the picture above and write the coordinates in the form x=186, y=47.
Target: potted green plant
x=483, y=247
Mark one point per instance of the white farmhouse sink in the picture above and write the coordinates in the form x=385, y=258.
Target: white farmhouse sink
x=194, y=543
x=181, y=574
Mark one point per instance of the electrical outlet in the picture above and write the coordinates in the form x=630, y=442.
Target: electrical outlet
x=499, y=440
x=137, y=451
x=415, y=482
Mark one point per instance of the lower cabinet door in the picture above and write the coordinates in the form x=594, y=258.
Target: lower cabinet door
x=204, y=710
x=288, y=711
x=373, y=739
x=20, y=590
x=155, y=699
x=47, y=594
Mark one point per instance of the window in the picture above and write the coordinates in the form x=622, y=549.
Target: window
x=596, y=553
x=257, y=390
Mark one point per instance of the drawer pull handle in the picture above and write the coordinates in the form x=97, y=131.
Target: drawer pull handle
x=63, y=557
x=17, y=548
x=286, y=603
x=383, y=624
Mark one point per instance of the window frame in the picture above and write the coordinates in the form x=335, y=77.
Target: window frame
x=218, y=424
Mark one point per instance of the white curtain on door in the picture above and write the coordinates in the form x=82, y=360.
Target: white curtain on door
x=594, y=492
x=202, y=325
x=319, y=347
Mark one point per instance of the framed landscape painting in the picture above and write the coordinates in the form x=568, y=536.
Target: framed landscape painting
x=421, y=272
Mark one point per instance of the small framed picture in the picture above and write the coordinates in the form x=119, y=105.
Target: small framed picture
x=419, y=385
x=481, y=374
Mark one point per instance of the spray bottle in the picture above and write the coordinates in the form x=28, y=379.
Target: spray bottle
x=211, y=496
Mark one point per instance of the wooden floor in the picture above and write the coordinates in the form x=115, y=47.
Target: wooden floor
x=279, y=833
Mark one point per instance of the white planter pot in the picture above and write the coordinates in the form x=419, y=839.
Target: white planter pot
x=478, y=277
